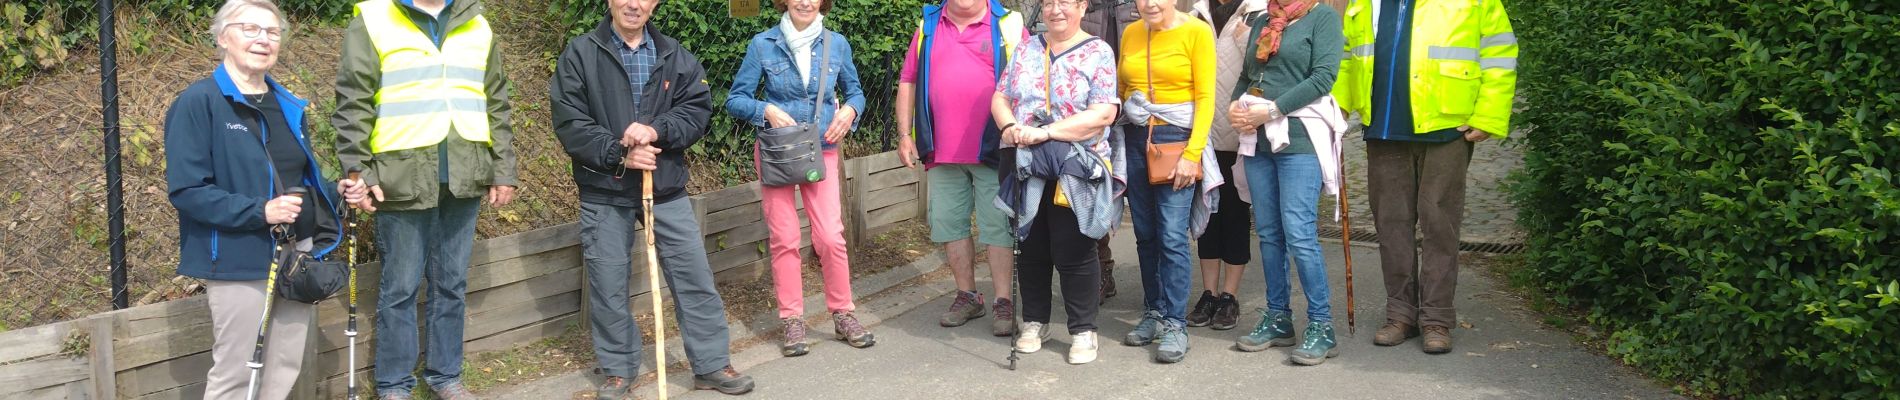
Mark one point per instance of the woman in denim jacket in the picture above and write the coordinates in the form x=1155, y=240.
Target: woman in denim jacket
x=777, y=87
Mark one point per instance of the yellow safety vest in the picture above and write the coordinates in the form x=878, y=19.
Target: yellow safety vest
x=1464, y=64
x=426, y=90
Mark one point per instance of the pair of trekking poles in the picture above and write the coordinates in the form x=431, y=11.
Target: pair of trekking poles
x=282, y=235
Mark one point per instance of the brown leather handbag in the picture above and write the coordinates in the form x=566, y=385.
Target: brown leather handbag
x=1161, y=157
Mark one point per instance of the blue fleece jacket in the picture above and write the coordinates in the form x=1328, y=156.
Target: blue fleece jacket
x=219, y=175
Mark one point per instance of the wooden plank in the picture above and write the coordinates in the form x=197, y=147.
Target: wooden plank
x=170, y=374
x=153, y=318
x=516, y=269
x=330, y=337
x=188, y=392
x=104, y=377
x=35, y=342
x=880, y=161
x=730, y=197
x=338, y=361
x=519, y=315
x=527, y=334
x=525, y=243
x=563, y=281
x=68, y=391
x=923, y=195
x=722, y=220
x=184, y=339
x=368, y=279
x=891, y=215
x=305, y=387
x=748, y=273
x=891, y=178
x=884, y=197
x=44, y=373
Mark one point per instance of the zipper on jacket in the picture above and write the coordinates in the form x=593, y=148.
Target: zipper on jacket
x=214, y=248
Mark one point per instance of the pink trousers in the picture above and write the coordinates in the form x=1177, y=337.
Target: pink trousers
x=824, y=207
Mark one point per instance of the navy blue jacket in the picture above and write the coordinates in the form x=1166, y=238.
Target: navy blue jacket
x=219, y=175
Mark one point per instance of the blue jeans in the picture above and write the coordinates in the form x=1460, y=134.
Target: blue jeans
x=437, y=242
x=1160, y=215
x=1286, y=191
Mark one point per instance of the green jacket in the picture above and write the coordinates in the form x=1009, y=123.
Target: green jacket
x=409, y=178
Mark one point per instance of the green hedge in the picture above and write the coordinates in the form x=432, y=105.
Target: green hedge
x=879, y=32
x=1714, y=181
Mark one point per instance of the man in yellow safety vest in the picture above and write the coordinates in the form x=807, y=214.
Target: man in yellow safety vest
x=422, y=109
x=1429, y=78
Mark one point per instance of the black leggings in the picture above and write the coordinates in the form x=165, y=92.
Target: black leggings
x=1230, y=231
x=1056, y=246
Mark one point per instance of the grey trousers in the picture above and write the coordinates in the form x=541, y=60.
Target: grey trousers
x=1418, y=188
x=607, y=240
x=236, y=307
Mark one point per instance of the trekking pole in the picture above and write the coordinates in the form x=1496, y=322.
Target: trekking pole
x=282, y=233
x=653, y=281
x=1345, y=235
x=349, y=223
x=1016, y=263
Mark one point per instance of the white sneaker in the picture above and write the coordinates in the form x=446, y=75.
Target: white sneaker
x=1082, y=348
x=1030, y=338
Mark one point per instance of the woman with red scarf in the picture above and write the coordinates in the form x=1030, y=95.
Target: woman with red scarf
x=1289, y=72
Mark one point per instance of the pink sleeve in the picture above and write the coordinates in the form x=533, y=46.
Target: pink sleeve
x=909, y=73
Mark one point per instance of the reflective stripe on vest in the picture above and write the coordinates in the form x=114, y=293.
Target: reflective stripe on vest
x=425, y=91
x=1459, y=75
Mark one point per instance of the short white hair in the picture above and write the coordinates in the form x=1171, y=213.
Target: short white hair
x=233, y=7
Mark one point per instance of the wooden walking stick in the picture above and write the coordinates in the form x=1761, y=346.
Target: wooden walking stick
x=653, y=281
x=1345, y=235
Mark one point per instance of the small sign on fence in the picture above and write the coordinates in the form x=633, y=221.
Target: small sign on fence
x=743, y=8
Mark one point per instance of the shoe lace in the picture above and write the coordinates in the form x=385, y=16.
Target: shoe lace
x=1085, y=340
x=1266, y=322
x=1003, y=310
x=963, y=300
x=794, y=328
x=849, y=323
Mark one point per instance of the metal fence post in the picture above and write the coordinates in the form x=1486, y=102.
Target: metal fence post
x=115, y=192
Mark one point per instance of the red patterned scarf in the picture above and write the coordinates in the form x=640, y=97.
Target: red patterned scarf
x=1279, y=14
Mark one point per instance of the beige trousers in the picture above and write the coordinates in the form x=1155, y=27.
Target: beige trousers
x=235, y=310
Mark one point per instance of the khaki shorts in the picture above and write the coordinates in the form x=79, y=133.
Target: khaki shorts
x=956, y=190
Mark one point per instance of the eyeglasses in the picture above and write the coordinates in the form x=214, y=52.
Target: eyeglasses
x=1064, y=5
x=251, y=31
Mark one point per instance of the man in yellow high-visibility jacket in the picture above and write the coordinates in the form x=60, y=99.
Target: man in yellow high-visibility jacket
x=422, y=108
x=1429, y=78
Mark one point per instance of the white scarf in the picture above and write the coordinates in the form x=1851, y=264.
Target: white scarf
x=801, y=42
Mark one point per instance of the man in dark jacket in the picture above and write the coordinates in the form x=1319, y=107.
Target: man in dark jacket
x=422, y=108
x=628, y=99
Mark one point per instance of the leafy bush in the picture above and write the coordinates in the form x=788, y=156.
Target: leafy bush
x=1714, y=180
x=879, y=32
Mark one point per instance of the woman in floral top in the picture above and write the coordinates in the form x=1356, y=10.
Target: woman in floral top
x=1055, y=103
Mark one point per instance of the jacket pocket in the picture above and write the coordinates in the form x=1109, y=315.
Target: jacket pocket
x=1457, y=87
x=782, y=77
x=404, y=174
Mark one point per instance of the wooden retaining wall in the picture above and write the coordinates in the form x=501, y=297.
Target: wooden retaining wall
x=521, y=288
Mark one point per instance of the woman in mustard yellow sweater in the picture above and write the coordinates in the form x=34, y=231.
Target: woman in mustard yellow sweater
x=1167, y=78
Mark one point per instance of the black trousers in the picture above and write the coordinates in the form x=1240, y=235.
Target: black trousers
x=1056, y=248
x=1229, y=235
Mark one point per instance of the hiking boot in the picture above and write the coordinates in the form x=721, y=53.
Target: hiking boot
x=1108, y=280
x=393, y=396
x=1437, y=339
x=1005, y=323
x=1226, y=313
x=1203, y=311
x=793, y=343
x=1174, y=343
x=615, y=388
x=1145, y=330
x=1275, y=330
x=453, y=391
x=1082, y=348
x=967, y=306
x=1394, y=333
x=727, y=380
x=852, y=332
x=1034, y=333
x=1318, y=346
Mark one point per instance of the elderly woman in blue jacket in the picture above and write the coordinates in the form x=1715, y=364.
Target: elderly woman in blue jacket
x=234, y=145
x=788, y=70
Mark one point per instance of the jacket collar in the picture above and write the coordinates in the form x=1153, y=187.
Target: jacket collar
x=604, y=36
x=229, y=89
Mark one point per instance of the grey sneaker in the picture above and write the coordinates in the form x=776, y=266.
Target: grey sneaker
x=852, y=332
x=725, y=380
x=453, y=391
x=793, y=343
x=615, y=388
x=1174, y=343
x=1005, y=322
x=967, y=306
x=1275, y=330
x=1145, y=330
